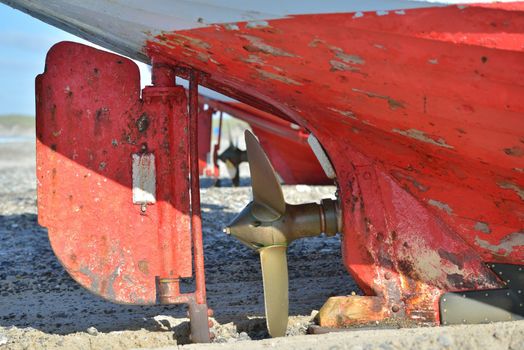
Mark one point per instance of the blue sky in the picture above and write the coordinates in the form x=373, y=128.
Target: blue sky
x=24, y=42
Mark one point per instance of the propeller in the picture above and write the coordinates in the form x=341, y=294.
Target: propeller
x=232, y=157
x=268, y=225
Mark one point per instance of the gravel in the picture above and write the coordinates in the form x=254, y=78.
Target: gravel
x=38, y=298
x=41, y=307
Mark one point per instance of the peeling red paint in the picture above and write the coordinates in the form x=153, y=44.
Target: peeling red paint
x=438, y=102
x=108, y=244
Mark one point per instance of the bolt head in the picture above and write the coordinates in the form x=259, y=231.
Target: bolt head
x=395, y=308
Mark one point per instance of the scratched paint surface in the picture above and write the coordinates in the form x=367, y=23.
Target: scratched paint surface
x=91, y=121
x=427, y=102
x=444, y=120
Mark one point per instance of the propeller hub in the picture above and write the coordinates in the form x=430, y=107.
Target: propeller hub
x=298, y=221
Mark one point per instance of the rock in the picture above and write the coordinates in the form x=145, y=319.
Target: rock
x=243, y=336
x=92, y=331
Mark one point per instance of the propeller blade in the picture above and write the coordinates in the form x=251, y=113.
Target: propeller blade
x=275, y=279
x=268, y=198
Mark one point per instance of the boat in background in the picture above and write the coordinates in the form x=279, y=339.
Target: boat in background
x=285, y=142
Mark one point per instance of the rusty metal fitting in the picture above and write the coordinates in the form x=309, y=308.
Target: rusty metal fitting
x=168, y=290
x=330, y=216
x=395, y=308
x=162, y=74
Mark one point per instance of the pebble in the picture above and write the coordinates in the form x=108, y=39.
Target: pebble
x=243, y=336
x=92, y=331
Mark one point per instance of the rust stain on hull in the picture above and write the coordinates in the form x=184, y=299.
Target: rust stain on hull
x=195, y=42
x=514, y=151
x=421, y=136
x=347, y=58
x=340, y=66
x=258, y=45
x=268, y=75
x=393, y=104
x=348, y=114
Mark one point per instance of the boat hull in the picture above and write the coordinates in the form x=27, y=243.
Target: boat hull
x=420, y=111
x=436, y=106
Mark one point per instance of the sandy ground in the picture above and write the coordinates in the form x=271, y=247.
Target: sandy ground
x=41, y=307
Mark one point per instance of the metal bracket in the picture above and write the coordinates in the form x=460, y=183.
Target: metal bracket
x=322, y=157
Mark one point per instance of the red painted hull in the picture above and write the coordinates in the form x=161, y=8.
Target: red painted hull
x=421, y=113
x=293, y=160
x=438, y=108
